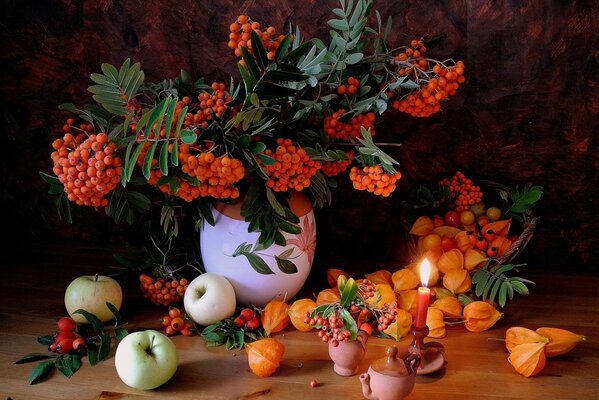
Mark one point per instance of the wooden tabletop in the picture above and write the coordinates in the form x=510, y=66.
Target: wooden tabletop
x=34, y=282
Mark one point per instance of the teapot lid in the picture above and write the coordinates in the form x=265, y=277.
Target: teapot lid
x=391, y=365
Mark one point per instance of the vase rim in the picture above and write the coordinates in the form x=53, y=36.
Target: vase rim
x=299, y=203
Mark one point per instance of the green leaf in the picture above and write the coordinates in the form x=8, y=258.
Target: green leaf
x=120, y=333
x=502, y=298
x=286, y=266
x=298, y=52
x=147, y=165
x=258, y=264
x=286, y=254
x=283, y=47
x=519, y=287
x=494, y=290
x=67, y=366
x=188, y=137
x=45, y=340
x=163, y=158
x=354, y=58
x=272, y=200
x=259, y=50
x=285, y=76
x=131, y=161
x=115, y=312
x=338, y=24
x=349, y=323
x=92, y=319
x=40, y=372
x=33, y=357
x=175, y=152
x=250, y=64
x=104, y=346
x=258, y=147
x=349, y=293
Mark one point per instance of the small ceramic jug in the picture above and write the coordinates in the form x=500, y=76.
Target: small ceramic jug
x=348, y=354
x=390, y=377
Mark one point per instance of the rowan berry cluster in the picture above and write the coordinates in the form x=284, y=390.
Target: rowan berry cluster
x=86, y=165
x=436, y=84
x=340, y=130
x=374, y=180
x=65, y=339
x=334, y=168
x=240, y=32
x=366, y=289
x=331, y=328
x=293, y=167
x=351, y=88
x=162, y=292
x=463, y=193
x=216, y=174
x=211, y=105
x=174, y=322
x=247, y=319
x=387, y=316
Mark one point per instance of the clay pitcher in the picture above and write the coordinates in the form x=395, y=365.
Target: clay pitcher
x=348, y=354
x=391, y=377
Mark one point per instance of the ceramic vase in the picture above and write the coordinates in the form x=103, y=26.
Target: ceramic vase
x=219, y=242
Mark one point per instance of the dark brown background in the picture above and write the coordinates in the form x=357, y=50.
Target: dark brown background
x=528, y=112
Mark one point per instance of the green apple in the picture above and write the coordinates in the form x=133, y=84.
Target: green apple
x=209, y=298
x=91, y=293
x=146, y=359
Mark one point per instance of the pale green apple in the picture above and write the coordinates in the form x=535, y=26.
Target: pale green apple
x=146, y=359
x=91, y=293
x=209, y=298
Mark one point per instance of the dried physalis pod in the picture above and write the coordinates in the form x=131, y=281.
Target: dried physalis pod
x=517, y=335
x=264, y=356
x=332, y=276
x=275, y=316
x=480, y=316
x=449, y=306
x=404, y=279
x=435, y=323
x=379, y=277
x=422, y=227
x=457, y=280
x=451, y=260
x=328, y=296
x=401, y=326
x=561, y=341
x=528, y=358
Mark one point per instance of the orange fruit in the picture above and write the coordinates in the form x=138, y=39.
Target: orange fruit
x=297, y=312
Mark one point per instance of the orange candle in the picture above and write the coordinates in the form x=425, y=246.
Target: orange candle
x=424, y=295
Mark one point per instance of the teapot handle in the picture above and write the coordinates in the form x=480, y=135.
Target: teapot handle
x=363, y=337
x=413, y=360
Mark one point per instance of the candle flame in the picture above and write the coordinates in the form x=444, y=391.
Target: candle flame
x=425, y=272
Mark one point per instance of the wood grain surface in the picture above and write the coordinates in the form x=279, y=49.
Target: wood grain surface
x=477, y=368
x=528, y=113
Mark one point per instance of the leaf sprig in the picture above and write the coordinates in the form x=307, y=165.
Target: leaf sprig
x=97, y=340
x=491, y=283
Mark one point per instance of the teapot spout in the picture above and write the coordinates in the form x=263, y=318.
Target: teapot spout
x=366, y=391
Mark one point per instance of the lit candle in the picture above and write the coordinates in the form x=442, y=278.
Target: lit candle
x=424, y=295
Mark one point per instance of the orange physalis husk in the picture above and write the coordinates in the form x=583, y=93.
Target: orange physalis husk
x=297, y=312
x=448, y=231
x=473, y=258
x=422, y=227
x=264, y=356
x=381, y=276
x=517, y=335
x=451, y=260
x=501, y=244
x=561, y=341
x=457, y=280
x=449, y=306
x=401, y=326
x=463, y=241
x=497, y=228
x=333, y=274
x=328, y=296
x=404, y=279
x=407, y=301
x=528, y=358
x=433, y=254
x=384, y=295
x=274, y=317
x=435, y=323
x=433, y=277
x=480, y=316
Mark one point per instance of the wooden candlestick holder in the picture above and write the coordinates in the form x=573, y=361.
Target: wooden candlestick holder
x=431, y=354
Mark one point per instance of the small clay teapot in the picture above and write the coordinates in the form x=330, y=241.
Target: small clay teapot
x=390, y=377
x=348, y=354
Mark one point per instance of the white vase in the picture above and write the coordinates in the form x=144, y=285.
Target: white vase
x=219, y=242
